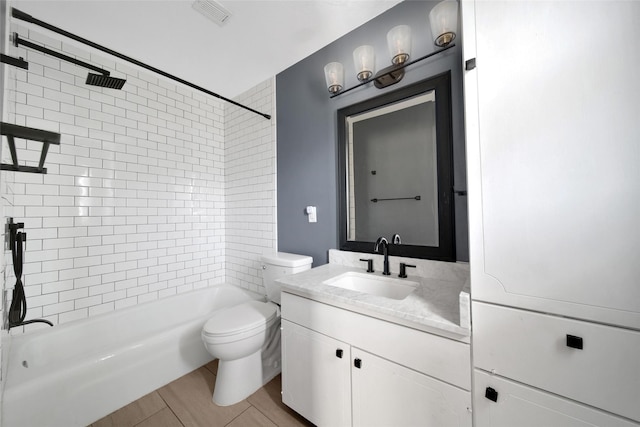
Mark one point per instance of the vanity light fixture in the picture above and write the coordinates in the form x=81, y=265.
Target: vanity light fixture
x=364, y=60
x=334, y=74
x=443, y=20
x=399, y=42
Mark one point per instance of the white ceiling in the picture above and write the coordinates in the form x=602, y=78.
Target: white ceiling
x=260, y=39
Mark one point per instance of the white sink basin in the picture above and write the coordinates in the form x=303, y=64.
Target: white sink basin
x=369, y=283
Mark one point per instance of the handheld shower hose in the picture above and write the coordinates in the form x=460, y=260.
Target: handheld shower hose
x=18, y=308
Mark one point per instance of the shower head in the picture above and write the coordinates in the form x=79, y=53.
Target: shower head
x=105, y=81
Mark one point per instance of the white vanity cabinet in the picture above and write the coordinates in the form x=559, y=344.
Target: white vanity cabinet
x=552, y=127
x=341, y=368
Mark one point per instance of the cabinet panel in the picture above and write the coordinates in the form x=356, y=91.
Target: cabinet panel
x=557, y=158
x=387, y=394
x=522, y=406
x=315, y=381
x=532, y=348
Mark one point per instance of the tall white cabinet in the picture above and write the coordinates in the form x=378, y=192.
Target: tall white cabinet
x=552, y=112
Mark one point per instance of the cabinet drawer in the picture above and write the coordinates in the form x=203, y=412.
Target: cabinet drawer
x=540, y=350
x=518, y=405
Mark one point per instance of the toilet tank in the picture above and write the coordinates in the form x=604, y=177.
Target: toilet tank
x=278, y=265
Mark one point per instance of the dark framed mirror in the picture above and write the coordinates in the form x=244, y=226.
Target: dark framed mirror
x=395, y=165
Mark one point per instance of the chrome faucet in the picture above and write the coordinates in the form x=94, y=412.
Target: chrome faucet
x=385, y=251
x=396, y=239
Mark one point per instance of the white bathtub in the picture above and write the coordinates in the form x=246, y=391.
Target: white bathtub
x=76, y=373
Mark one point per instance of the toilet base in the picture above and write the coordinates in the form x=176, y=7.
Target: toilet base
x=238, y=379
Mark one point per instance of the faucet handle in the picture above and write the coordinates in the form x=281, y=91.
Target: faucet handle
x=403, y=269
x=369, y=264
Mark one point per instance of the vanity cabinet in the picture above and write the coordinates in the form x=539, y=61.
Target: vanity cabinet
x=554, y=199
x=341, y=368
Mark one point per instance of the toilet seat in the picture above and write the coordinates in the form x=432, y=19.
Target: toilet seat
x=239, y=321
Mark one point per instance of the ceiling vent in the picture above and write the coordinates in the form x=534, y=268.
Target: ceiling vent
x=212, y=10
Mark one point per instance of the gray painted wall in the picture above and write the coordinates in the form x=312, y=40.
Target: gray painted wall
x=307, y=128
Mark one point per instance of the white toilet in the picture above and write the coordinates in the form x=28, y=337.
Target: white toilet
x=246, y=337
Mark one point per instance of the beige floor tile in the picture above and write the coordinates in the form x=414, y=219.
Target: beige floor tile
x=268, y=400
x=251, y=418
x=189, y=397
x=163, y=418
x=212, y=366
x=133, y=413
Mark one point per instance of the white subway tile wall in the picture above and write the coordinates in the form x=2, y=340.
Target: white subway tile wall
x=250, y=184
x=133, y=206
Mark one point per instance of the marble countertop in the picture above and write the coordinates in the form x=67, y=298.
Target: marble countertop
x=436, y=306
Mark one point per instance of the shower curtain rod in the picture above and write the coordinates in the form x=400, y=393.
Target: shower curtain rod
x=18, y=14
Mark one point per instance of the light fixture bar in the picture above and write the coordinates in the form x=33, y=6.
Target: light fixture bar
x=395, y=69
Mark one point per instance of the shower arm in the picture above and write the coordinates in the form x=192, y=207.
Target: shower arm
x=17, y=41
x=18, y=14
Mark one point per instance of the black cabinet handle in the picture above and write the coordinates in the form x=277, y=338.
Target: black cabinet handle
x=357, y=363
x=339, y=353
x=491, y=394
x=575, y=342
x=470, y=64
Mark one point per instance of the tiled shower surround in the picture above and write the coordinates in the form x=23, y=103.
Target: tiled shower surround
x=155, y=189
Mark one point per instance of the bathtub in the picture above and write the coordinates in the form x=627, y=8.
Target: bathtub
x=76, y=373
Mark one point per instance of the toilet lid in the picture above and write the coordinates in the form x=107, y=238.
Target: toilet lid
x=239, y=318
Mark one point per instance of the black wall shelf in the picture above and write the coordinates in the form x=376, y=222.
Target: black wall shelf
x=12, y=131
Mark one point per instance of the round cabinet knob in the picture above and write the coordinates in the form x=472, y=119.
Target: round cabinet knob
x=264, y=267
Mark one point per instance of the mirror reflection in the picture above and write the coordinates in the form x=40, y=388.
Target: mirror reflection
x=392, y=163
x=396, y=172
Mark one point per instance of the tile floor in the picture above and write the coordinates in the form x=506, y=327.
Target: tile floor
x=187, y=402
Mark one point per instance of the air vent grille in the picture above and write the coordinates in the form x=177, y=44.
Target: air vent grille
x=212, y=10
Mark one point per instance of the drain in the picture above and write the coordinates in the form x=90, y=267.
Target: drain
x=25, y=364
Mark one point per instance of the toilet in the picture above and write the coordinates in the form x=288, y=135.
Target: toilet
x=246, y=337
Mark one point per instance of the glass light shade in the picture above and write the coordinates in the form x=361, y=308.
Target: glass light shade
x=334, y=74
x=364, y=59
x=443, y=19
x=399, y=41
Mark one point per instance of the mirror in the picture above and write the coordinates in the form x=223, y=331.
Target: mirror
x=395, y=163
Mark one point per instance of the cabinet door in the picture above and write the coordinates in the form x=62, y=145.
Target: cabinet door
x=315, y=376
x=509, y=404
x=387, y=394
x=552, y=145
